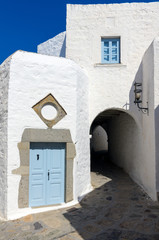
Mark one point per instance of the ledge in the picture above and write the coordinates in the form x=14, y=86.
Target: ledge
x=109, y=65
x=22, y=170
x=46, y=135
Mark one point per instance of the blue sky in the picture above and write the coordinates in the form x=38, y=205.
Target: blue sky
x=26, y=23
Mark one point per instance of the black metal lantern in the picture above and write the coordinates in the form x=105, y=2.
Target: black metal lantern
x=138, y=91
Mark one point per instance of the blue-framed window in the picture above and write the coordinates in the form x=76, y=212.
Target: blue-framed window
x=110, y=50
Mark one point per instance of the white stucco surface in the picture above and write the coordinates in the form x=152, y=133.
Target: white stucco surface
x=125, y=148
x=32, y=77
x=111, y=85
x=55, y=46
x=148, y=120
x=4, y=83
x=82, y=168
x=134, y=23
x=156, y=105
x=85, y=88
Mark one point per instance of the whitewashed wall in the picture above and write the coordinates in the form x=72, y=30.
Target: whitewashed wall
x=125, y=149
x=32, y=77
x=111, y=86
x=55, y=46
x=4, y=83
x=134, y=23
x=82, y=171
x=148, y=120
x=156, y=104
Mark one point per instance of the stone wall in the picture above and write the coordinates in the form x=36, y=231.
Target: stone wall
x=4, y=83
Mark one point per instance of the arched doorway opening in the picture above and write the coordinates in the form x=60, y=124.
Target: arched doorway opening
x=115, y=138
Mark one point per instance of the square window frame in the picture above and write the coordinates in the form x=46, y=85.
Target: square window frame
x=110, y=39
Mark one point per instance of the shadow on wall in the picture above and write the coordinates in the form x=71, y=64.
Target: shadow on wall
x=145, y=76
x=123, y=140
x=138, y=79
x=99, y=141
x=145, y=156
x=157, y=144
x=63, y=48
x=106, y=211
x=98, y=145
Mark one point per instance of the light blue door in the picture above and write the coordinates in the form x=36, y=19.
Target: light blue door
x=47, y=174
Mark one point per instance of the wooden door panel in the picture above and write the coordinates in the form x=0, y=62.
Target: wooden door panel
x=47, y=174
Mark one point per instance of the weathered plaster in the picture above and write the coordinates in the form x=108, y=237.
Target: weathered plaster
x=4, y=84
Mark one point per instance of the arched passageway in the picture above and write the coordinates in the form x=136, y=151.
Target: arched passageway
x=115, y=138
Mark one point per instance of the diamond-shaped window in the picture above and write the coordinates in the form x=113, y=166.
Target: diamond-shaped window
x=49, y=110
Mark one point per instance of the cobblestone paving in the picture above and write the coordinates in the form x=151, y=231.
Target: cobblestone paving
x=117, y=209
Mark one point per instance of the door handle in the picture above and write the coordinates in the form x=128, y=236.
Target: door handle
x=48, y=175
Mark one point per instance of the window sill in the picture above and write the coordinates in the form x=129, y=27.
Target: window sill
x=109, y=65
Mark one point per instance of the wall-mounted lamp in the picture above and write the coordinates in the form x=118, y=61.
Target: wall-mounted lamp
x=138, y=91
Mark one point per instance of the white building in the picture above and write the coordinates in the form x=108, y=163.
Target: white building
x=52, y=101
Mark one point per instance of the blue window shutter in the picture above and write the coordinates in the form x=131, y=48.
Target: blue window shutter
x=110, y=48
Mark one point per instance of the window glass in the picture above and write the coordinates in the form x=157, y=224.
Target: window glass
x=106, y=58
x=114, y=57
x=106, y=51
x=106, y=44
x=114, y=50
x=114, y=43
x=110, y=50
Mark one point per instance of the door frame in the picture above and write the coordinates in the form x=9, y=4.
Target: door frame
x=44, y=135
x=45, y=148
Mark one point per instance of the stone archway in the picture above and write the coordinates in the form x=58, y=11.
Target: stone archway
x=124, y=139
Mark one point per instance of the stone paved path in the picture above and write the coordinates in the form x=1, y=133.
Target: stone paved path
x=117, y=209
